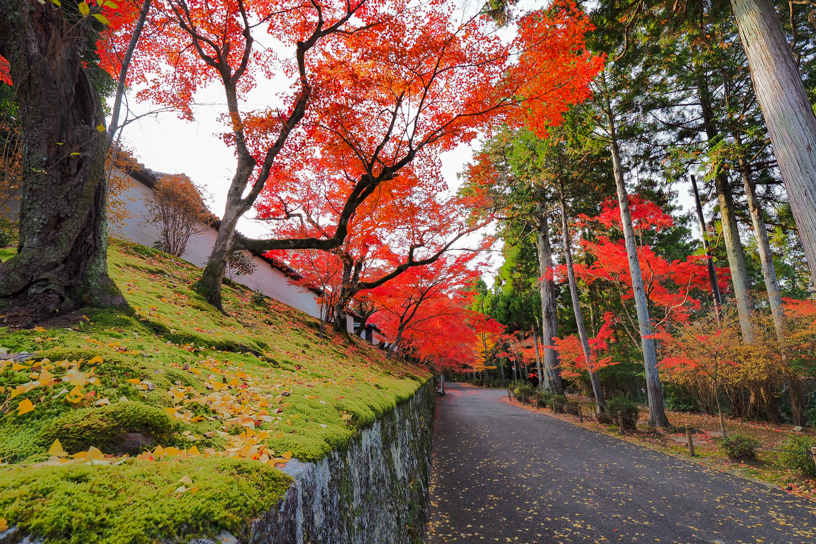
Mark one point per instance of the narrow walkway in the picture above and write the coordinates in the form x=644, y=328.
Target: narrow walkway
x=504, y=474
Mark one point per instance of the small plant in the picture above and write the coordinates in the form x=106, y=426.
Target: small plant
x=240, y=263
x=524, y=392
x=739, y=446
x=629, y=409
x=796, y=454
x=544, y=398
x=258, y=297
x=8, y=232
x=572, y=408
x=558, y=403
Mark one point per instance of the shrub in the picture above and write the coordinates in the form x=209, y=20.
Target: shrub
x=240, y=263
x=606, y=418
x=558, y=403
x=258, y=297
x=629, y=409
x=544, y=398
x=739, y=446
x=477, y=382
x=524, y=392
x=572, y=408
x=177, y=208
x=796, y=454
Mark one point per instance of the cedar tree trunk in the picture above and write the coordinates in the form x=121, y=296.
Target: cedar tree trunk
x=549, y=314
x=787, y=111
x=576, y=308
x=657, y=414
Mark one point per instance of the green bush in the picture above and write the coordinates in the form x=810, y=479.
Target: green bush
x=524, y=392
x=544, y=398
x=739, y=446
x=558, y=403
x=572, y=408
x=606, y=418
x=629, y=409
x=796, y=454
x=477, y=382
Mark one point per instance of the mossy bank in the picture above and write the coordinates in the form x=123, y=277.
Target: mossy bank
x=182, y=417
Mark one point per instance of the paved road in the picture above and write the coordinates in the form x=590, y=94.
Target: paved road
x=504, y=474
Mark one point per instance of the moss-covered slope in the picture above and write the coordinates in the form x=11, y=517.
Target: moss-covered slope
x=226, y=398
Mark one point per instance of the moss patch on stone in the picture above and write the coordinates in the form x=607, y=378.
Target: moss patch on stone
x=124, y=427
x=137, y=502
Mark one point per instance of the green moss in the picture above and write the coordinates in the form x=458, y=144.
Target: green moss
x=108, y=427
x=174, y=339
x=135, y=502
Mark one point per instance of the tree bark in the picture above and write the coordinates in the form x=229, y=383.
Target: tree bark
x=730, y=229
x=736, y=258
x=549, y=312
x=576, y=308
x=712, y=273
x=543, y=380
x=657, y=413
x=774, y=295
x=786, y=109
x=62, y=253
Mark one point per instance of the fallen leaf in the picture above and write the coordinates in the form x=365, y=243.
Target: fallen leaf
x=25, y=407
x=56, y=449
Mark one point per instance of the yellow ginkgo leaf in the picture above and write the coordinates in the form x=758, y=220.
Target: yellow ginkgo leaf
x=193, y=452
x=185, y=480
x=96, y=360
x=94, y=453
x=3, y=525
x=56, y=449
x=25, y=407
x=84, y=9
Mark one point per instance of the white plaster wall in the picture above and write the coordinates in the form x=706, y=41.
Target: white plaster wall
x=274, y=283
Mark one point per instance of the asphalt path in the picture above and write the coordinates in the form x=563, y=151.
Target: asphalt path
x=505, y=474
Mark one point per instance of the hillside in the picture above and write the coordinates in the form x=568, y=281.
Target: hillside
x=174, y=421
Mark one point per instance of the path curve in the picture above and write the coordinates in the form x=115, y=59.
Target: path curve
x=505, y=474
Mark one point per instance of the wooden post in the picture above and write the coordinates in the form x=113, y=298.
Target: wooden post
x=620, y=421
x=580, y=414
x=690, y=440
x=813, y=454
x=536, y=399
x=509, y=395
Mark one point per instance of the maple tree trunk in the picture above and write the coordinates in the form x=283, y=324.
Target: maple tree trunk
x=62, y=253
x=786, y=109
x=774, y=296
x=209, y=285
x=549, y=312
x=657, y=413
x=576, y=308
